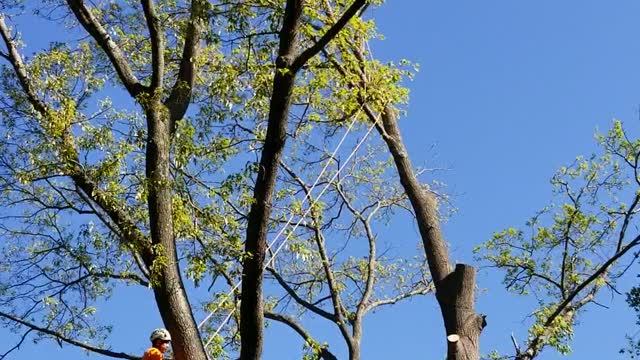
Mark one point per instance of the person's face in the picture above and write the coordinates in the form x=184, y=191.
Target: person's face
x=163, y=346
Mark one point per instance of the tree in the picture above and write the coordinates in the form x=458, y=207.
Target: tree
x=184, y=91
x=577, y=246
x=50, y=96
x=454, y=287
x=633, y=346
x=230, y=109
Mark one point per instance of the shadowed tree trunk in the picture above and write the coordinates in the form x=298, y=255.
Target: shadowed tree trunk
x=454, y=287
x=161, y=117
x=288, y=63
x=251, y=307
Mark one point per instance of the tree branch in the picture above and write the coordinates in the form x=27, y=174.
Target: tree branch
x=180, y=95
x=131, y=234
x=566, y=305
x=101, y=36
x=423, y=291
x=157, y=44
x=326, y=266
x=601, y=270
x=292, y=323
x=62, y=338
x=328, y=36
x=297, y=297
x=21, y=72
x=16, y=346
x=127, y=227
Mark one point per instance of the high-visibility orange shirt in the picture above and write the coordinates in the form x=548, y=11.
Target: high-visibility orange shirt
x=152, y=354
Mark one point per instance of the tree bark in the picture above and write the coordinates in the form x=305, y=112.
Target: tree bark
x=251, y=307
x=454, y=289
x=456, y=299
x=354, y=349
x=288, y=64
x=169, y=291
x=160, y=257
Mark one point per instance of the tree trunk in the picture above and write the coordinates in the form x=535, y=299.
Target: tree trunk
x=354, y=349
x=454, y=289
x=168, y=288
x=463, y=325
x=251, y=307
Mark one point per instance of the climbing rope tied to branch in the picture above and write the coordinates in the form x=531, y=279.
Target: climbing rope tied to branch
x=290, y=220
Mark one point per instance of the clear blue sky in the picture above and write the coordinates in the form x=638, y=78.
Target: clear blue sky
x=508, y=91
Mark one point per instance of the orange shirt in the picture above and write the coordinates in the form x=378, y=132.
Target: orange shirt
x=152, y=354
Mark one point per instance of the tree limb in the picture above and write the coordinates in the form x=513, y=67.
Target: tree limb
x=18, y=66
x=328, y=36
x=318, y=237
x=157, y=44
x=120, y=218
x=62, y=338
x=251, y=313
x=423, y=291
x=534, y=347
x=101, y=36
x=180, y=95
x=292, y=323
x=297, y=297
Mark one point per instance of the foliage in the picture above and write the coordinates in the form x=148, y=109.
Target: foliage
x=574, y=247
x=66, y=252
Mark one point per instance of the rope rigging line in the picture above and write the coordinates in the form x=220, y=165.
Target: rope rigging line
x=281, y=246
x=307, y=196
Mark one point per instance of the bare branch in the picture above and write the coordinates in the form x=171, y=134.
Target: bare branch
x=326, y=265
x=16, y=346
x=60, y=337
x=292, y=323
x=297, y=297
x=157, y=44
x=101, y=36
x=420, y=291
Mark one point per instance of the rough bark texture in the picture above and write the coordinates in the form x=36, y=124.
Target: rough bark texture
x=288, y=63
x=454, y=288
x=159, y=253
x=168, y=288
x=251, y=307
x=456, y=299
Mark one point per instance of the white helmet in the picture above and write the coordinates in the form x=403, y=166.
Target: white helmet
x=160, y=334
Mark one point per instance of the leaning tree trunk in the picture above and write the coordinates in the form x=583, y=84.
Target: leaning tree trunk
x=251, y=307
x=169, y=291
x=454, y=288
x=290, y=60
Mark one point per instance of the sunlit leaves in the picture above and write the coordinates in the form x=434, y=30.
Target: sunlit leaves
x=93, y=130
x=571, y=248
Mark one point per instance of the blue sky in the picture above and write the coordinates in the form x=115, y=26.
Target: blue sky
x=507, y=92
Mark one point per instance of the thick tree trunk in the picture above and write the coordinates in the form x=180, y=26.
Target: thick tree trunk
x=354, y=349
x=454, y=289
x=251, y=307
x=463, y=325
x=168, y=288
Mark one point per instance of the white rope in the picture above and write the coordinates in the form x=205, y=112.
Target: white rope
x=307, y=196
x=296, y=225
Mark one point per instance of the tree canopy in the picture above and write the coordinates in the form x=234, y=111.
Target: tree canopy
x=250, y=151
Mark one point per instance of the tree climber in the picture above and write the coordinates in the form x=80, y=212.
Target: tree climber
x=160, y=340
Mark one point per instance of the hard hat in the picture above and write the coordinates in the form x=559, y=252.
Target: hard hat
x=160, y=334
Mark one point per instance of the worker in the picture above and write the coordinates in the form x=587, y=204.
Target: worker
x=160, y=340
